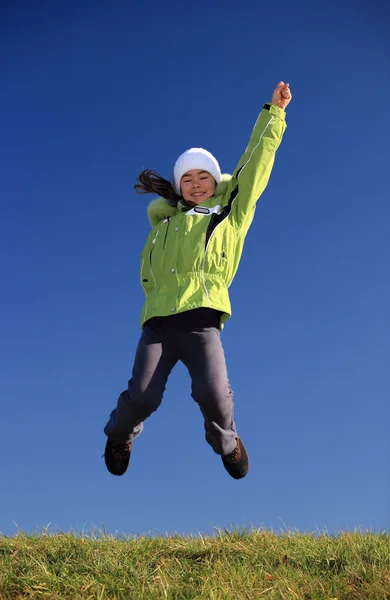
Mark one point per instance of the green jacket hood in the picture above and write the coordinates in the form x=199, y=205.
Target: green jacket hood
x=159, y=209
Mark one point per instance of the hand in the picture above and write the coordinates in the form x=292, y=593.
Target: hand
x=282, y=95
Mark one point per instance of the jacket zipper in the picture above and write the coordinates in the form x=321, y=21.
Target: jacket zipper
x=204, y=259
x=203, y=278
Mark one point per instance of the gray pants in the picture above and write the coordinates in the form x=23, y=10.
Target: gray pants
x=159, y=349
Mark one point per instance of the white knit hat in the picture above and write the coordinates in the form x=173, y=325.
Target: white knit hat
x=195, y=158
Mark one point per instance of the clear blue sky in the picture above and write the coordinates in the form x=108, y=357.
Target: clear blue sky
x=94, y=92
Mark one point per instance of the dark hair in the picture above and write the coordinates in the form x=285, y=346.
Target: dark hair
x=150, y=181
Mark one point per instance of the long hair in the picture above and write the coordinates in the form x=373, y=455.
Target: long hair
x=150, y=181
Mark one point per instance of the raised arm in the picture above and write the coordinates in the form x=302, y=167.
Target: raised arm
x=252, y=173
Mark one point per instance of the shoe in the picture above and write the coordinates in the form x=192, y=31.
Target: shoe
x=237, y=462
x=117, y=457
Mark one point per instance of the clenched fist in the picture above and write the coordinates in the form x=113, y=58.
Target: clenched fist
x=282, y=95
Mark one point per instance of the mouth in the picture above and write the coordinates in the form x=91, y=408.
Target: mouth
x=197, y=194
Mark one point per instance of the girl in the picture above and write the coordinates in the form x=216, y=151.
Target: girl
x=199, y=226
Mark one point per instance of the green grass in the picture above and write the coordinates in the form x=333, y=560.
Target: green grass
x=242, y=565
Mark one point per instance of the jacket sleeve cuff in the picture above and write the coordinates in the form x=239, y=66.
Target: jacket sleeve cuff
x=275, y=111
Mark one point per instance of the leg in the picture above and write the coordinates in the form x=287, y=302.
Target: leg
x=203, y=355
x=154, y=360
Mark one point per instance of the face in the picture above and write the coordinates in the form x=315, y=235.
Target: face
x=197, y=186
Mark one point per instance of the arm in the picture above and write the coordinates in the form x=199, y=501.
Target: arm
x=253, y=171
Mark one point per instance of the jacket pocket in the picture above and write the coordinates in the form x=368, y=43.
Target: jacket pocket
x=146, y=278
x=217, y=253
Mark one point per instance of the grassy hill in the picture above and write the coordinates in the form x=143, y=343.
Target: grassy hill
x=239, y=565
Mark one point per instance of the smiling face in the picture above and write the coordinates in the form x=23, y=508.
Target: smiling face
x=197, y=186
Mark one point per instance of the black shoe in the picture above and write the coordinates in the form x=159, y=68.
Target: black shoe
x=237, y=462
x=117, y=457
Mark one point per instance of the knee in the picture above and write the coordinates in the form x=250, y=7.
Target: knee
x=203, y=391
x=215, y=402
x=144, y=400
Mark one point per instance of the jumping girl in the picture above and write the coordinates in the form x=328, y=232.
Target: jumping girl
x=191, y=256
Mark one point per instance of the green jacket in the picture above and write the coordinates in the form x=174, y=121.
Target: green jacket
x=191, y=255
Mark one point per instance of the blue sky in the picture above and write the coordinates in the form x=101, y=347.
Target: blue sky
x=94, y=92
